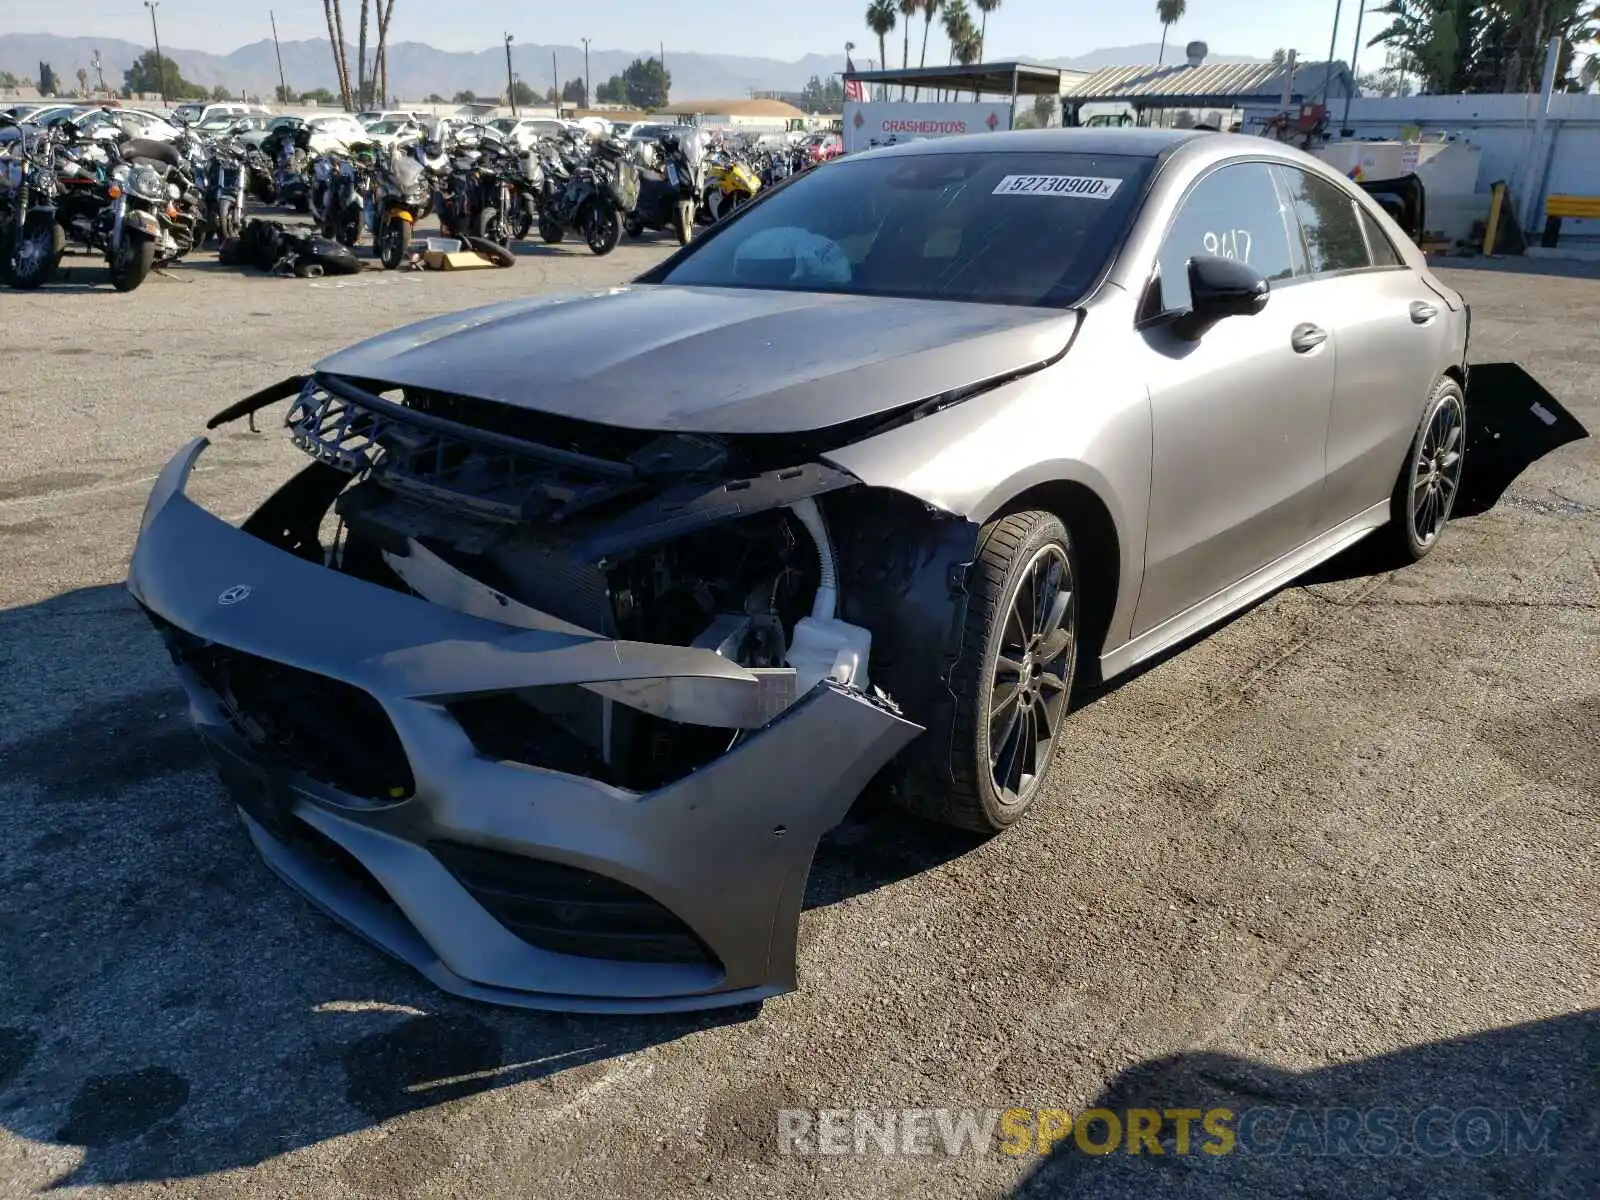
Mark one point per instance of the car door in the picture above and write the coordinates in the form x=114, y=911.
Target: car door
x=1239, y=415
x=1392, y=332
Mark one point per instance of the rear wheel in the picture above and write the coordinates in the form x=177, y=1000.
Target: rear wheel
x=1014, y=679
x=522, y=222
x=132, y=261
x=550, y=231
x=634, y=226
x=29, y=260
x=491, y=226
x=348, y=228
x=1430, y=479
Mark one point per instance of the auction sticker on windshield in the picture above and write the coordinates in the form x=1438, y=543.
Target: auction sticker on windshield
x=1082, y=187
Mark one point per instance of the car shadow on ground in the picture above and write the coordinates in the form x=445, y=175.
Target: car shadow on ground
x=1504, y=1113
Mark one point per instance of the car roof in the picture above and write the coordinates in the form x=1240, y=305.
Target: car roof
x=1134, y=143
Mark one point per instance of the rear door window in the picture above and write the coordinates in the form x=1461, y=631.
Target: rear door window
x=1330, y=223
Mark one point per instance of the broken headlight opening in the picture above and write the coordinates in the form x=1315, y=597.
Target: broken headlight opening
x=545, y=523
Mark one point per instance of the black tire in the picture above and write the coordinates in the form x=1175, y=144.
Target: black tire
x=1024, y=549
x=134, y=260
x=522, y=223
x=500, y=256
x=348, y=228
x=394, y=243
x=302, y=204
x=683, y=221
x=43, y=242
x=228, y=223
x=634, y=227
x=550, y=231
x=1432, y=471
x=489, y=227
x=602, y=228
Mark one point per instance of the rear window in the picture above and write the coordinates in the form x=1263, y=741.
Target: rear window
x=1011, y=227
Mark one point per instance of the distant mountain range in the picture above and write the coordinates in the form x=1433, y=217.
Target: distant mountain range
x=417, y=70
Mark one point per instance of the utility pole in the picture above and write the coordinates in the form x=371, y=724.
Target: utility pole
x=1333, y=48
x=555, y=78
x=161, y=67
x=283, y=85
x=1344, y=125
x=588, y=97
x=511, y=80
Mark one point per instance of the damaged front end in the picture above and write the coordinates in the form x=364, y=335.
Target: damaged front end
x=555, y=712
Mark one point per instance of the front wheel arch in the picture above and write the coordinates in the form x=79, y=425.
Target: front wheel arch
x=1100, y=559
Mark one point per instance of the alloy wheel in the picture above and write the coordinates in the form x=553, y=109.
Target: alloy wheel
x=1436, y=474
x=1029, y=690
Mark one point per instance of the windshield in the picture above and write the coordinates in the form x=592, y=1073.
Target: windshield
x=1012, y=227
x=387, y=126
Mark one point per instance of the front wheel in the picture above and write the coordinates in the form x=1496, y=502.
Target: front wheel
x=1014, y=679
x=602, y=228
x=29, y=260
x=1430, y=479
x=394, y=242
x=550, y=231
x=683, y=221
x=132, y=261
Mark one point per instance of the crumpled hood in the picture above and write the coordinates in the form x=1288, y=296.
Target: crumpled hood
x=711, y=360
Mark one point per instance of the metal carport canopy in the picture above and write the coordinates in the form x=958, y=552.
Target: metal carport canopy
x=1222, y=85
x=995, y=79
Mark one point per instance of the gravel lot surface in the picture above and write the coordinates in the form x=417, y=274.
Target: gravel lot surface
x=1338, y=854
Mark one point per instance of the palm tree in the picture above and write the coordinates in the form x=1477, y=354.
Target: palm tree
x=907, y=9
x=363, y=99
x=958, y=27
x=881, y=19
x=341, y=64
x=381, y=60
x=929, y=10
x=985, y=7
x=1170, y=12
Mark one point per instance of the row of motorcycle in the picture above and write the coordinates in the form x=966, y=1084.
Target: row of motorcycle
x=481, y=185
x=138, y=203
x=143, y=204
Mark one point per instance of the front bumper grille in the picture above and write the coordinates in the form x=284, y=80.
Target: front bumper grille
x=329, y=731
x=567, y=910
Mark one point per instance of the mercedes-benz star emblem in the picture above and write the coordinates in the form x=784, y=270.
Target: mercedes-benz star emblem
x=234, y=595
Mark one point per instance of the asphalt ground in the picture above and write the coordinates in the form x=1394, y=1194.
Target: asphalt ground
x=1337, y=855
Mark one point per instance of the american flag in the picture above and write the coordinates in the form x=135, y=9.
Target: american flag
x=852, y=87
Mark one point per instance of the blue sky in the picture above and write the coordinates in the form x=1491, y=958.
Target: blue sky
x=773, y=28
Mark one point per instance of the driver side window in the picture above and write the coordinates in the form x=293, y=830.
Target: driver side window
x=1236, y=212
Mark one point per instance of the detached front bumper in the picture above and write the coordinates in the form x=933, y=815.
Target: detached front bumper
x=480, y=856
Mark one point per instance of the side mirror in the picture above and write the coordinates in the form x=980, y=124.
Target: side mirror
x=1220, y=288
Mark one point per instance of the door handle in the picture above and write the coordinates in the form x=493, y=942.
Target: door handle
x=1307, y=338
x=1422, y=312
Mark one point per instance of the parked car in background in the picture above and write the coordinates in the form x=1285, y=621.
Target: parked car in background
x=820, y=147
x=523, y=132
x=391, y=129
x=196, y=113
x=223, y=124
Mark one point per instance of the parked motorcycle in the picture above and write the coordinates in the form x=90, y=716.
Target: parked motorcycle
x=399, y=195
x=593, y=198
x=134, y=202
x=670, y=188
x=344, y=198
x=31, y=240
x=730, y=184
x=224, y=185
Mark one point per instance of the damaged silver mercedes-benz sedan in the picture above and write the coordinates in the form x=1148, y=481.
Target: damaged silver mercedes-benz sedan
x=589, y=615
